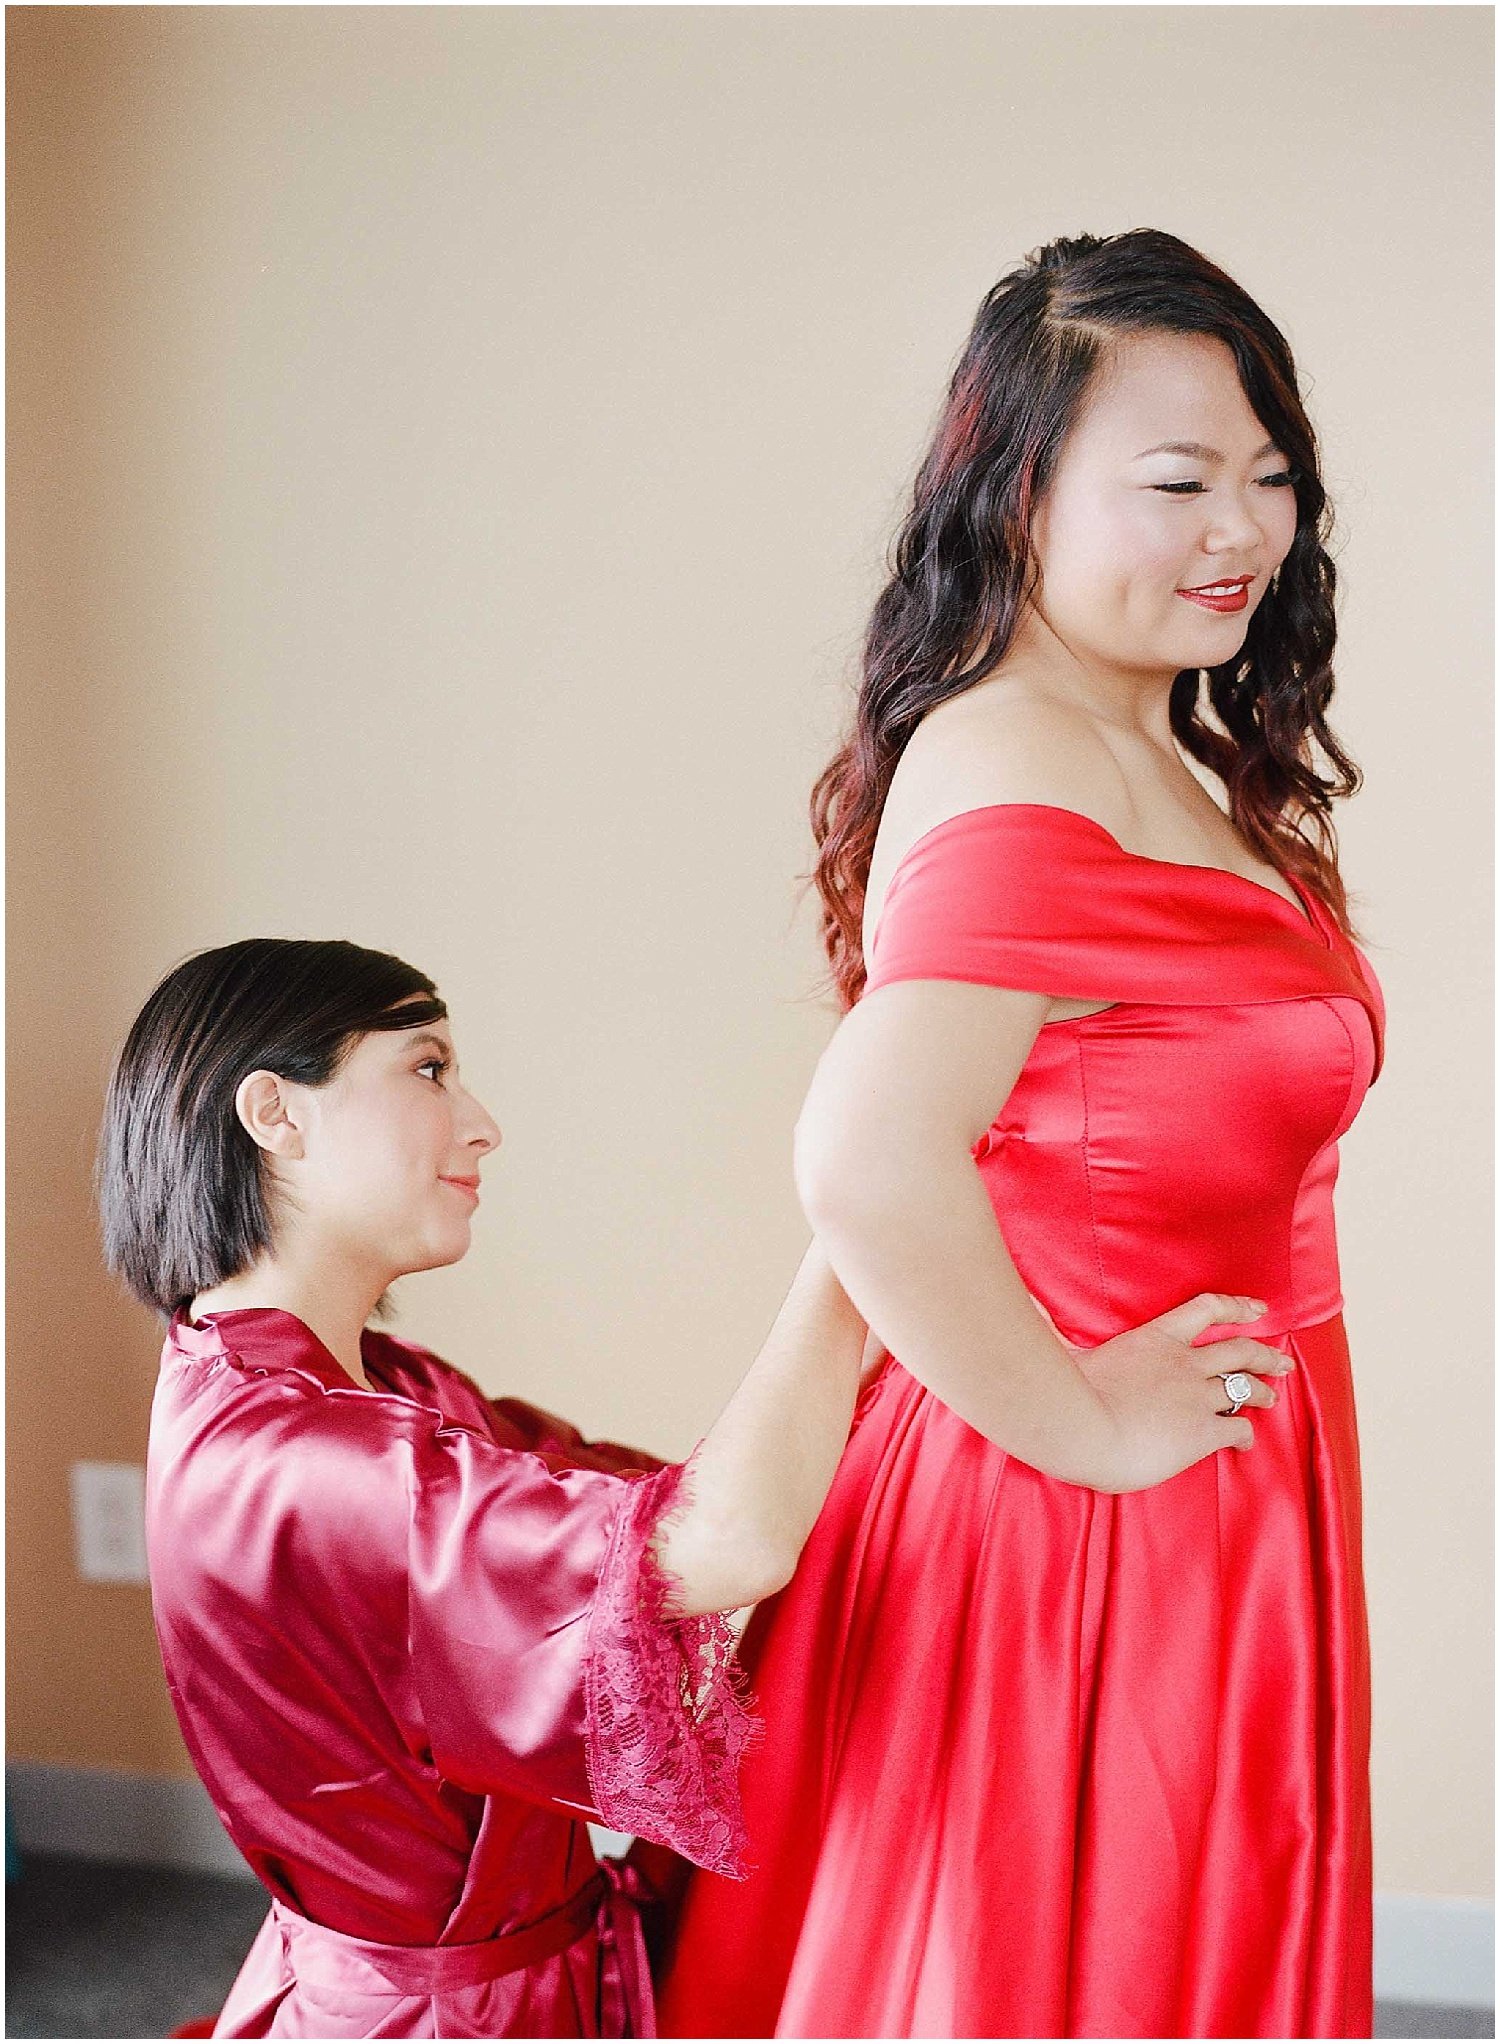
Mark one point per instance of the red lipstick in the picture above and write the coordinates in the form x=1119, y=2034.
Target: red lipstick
x=1228, y=595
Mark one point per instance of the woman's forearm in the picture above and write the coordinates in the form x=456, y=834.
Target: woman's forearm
x=759, y=1477
x=913, y=1237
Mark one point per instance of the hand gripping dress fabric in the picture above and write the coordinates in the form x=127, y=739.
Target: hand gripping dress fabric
x=415, y=1639
x=1042, y=1761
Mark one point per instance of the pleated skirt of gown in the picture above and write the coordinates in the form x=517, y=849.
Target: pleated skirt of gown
x=1046, y=1762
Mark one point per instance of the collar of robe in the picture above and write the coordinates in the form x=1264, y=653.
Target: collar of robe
x=260, y=1339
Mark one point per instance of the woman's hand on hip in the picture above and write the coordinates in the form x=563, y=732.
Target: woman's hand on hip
x=1164, y=1396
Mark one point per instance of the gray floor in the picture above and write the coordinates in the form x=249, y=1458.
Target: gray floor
x=1408, y=2019
x=110, y=1951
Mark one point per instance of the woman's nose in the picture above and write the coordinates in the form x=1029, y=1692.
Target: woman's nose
x=1235, y=525
x=484, y=1132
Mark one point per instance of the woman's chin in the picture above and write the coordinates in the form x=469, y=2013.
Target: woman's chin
x=452, y=1247
x=436, y=1254
x=1212, y=644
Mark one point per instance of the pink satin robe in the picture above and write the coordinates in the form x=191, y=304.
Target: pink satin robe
x=1042, y=1761
x=414, y=1640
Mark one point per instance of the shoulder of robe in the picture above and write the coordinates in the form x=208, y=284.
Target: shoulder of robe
x=365, y=1487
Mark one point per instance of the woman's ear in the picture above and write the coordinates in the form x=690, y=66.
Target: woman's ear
x=263, y=1103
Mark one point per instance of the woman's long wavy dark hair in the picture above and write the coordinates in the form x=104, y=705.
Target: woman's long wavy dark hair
x=964, y=566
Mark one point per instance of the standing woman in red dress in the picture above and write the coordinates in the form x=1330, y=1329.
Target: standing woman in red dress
x=1068, y=1705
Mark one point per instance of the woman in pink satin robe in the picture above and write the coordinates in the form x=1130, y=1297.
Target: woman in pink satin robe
x=416, y=1637
x=1068, y=1707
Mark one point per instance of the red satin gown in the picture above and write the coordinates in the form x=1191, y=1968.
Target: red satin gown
x=414, y=1640
x=1043, y=1761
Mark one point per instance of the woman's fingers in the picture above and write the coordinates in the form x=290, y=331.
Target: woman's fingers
x=1243, y=1352
x=1260, y=1394
x=1207, y=1309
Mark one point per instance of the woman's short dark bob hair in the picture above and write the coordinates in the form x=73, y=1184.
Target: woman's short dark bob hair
x=183, y=1187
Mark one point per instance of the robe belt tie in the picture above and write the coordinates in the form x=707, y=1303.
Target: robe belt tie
x=319, y=1955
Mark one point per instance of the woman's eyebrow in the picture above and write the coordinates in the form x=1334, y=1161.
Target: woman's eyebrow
x=1196, y=451
x=429, y=1042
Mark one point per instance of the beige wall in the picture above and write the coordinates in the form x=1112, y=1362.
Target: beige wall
x=451, y=456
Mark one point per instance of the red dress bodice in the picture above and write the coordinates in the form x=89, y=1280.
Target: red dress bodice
x=1184, y=1139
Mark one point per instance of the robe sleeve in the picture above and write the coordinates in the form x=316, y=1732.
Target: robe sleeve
x=514, y=1422
x=544, y=1658
x=546, y=1433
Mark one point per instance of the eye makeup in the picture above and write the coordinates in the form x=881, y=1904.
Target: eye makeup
x=1282, y=480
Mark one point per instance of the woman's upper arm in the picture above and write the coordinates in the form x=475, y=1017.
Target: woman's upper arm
x=922, y=1060
x=967, y=932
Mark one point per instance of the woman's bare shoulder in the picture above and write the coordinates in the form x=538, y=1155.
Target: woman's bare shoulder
x=1001, y=743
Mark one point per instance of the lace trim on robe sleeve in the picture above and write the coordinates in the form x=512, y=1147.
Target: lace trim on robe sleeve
x=668, y=1709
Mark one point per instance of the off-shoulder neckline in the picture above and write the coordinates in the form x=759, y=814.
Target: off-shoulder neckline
x=1308, y=918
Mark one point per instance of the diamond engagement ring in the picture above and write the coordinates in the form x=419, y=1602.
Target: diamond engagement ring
x=1238, y=1388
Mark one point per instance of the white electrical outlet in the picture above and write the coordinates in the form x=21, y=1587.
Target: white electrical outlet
x=109, y=1521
